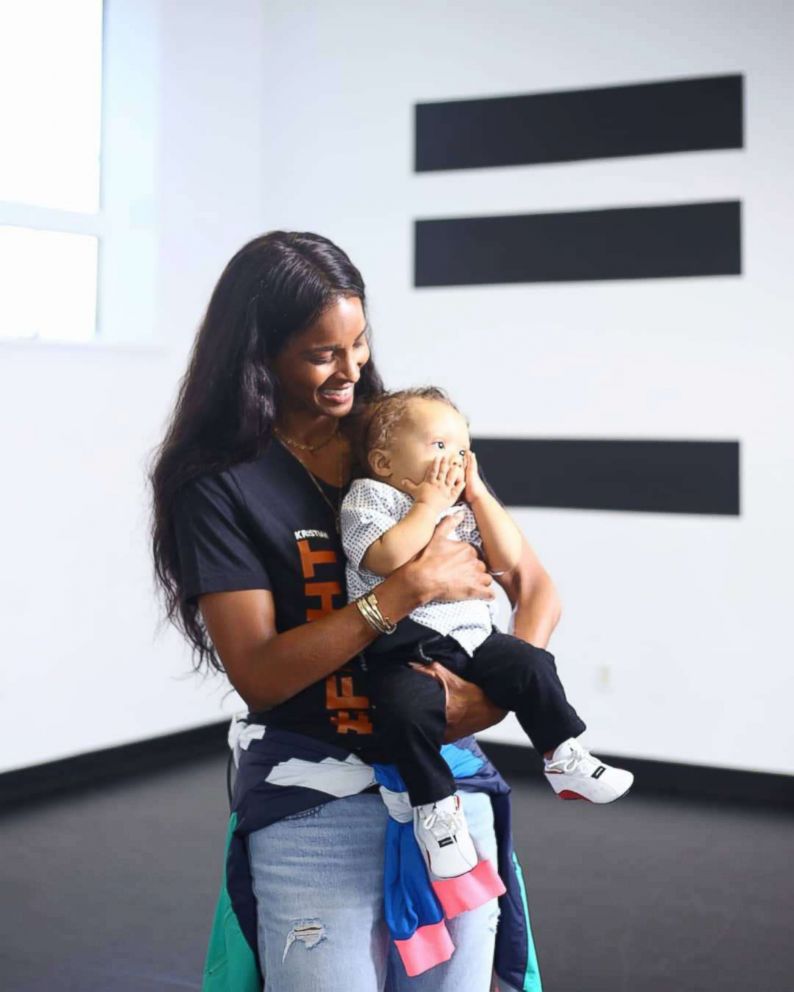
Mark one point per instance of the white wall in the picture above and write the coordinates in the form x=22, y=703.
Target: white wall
x=84, y=665
x=675, y=640
x=674, y=643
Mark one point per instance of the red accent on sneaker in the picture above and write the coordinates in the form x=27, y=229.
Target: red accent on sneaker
x=569, y=794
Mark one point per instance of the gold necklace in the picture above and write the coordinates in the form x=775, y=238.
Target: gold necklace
x=336, y=510
x=306, y=447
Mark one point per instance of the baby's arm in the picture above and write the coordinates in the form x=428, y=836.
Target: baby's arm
x=501, y=538
x=440, y=488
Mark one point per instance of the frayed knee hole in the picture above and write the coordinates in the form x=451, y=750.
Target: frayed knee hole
x=308, y=932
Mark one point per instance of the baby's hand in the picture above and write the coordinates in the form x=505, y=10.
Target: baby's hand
x=475, y=487
x=442, y=485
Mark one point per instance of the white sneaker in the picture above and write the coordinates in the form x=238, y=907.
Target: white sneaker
x=443, y=837
x=574, y=773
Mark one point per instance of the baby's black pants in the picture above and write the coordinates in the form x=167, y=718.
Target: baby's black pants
x=410, y=706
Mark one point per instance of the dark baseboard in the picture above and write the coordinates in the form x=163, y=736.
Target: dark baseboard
x=667, y=778
x=515, y=761
x=84, y=770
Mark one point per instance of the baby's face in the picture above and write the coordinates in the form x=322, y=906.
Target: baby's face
x=428, y=428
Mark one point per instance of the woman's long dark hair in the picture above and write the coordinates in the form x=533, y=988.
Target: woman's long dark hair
x=274, y=287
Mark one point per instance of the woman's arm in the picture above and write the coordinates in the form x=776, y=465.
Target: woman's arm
x=267, y=668
x=533, y=596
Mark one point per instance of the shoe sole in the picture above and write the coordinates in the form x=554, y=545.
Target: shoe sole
x=569, y=794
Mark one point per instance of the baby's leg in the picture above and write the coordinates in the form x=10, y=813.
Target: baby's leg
x=523, y=678
x=410, y=720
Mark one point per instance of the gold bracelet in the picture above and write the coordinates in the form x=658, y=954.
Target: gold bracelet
x=366, y=612
x=369, y=609
x=388, y=626
x=374, y=615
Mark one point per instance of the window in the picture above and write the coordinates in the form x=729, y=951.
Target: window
x=51, y=85
x=78, y=116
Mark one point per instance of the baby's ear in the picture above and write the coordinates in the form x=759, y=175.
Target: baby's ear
x=380, y=463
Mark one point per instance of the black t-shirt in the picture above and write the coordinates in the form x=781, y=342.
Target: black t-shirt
x=263, y=524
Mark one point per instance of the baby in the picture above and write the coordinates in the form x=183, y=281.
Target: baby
x=416, y=451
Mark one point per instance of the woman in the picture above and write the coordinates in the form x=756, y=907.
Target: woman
x=247, y=487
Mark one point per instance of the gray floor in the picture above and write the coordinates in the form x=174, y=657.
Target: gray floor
x=112, y=890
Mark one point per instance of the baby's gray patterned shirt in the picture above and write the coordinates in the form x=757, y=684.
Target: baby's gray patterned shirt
x=369, y=509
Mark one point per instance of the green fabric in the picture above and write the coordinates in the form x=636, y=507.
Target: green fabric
x=532, y=981
x=230, y=965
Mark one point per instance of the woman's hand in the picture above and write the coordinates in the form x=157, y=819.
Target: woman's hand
x=468, y=708
x=449, y=570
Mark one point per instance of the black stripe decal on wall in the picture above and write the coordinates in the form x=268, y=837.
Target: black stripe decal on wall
x=693, y=239
x=644, y=119
x=649, y=476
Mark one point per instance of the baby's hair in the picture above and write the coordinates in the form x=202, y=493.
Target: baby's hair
x=385, y=414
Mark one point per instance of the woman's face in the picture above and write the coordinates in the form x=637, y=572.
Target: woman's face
x=318, y=368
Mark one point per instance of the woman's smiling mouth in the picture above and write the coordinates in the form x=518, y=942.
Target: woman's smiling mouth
x=337, y=394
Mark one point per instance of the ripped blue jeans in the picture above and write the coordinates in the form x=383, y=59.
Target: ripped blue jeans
x=318, y=882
